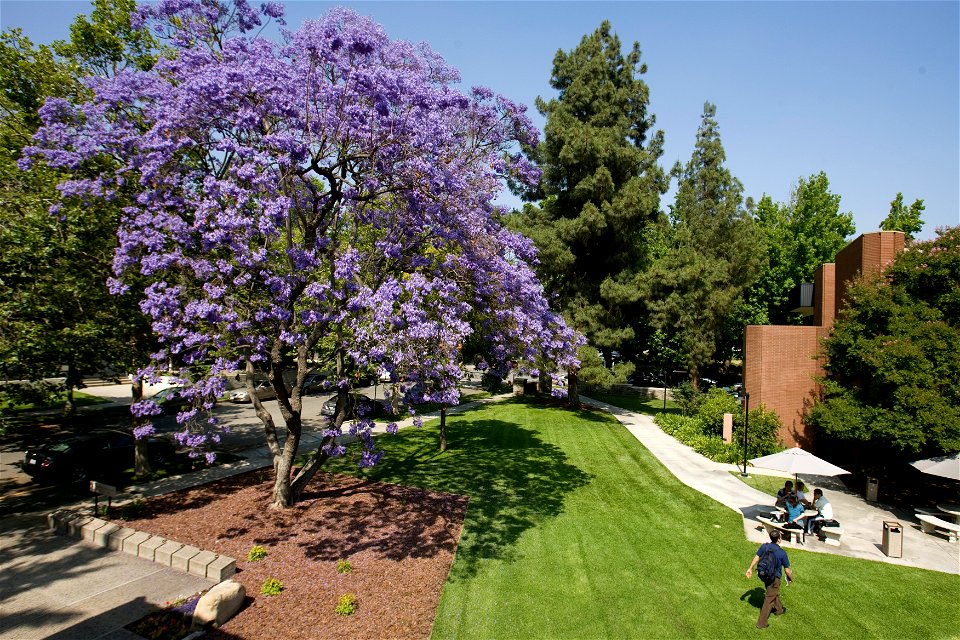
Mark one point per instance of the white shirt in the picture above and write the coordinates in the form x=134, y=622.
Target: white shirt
x=824, y=507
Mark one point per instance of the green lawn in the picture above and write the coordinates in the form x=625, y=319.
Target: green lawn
x=649, y=406
x=79, y=398
x=768, y=484
x=574, y=530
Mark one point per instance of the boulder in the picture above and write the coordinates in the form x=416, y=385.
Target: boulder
x=219, y=604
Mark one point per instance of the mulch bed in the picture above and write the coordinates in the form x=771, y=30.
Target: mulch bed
x=399, y=542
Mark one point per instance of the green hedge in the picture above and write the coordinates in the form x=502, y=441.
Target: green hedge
x=695, y=432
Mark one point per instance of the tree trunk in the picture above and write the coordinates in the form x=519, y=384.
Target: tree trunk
x=69, y=406
x=141, y=454
x=305, y=475
x=282, y=486
x=573, y=393
x=443, y=427
x=141, y=458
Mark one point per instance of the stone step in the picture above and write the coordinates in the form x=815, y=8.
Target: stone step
x=107, y=535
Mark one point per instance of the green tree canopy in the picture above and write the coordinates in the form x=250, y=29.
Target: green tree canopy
x=56, y=314
x=712, y=255
x=894, y=356
x=903, y=218
x=798, y=237
x=600, y=188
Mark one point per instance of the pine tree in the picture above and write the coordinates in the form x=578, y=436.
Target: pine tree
x=712, y=255
x=600, y=190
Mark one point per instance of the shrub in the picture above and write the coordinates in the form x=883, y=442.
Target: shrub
x=344, y=566
x=491, y=383
x=347, y=605
x=762, y=435
x=256, y=554
x=717, y=402
x=131, y=510
x=271, y=587
x=688, y=398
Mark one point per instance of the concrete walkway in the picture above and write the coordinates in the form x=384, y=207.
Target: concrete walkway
x=52, y=586
x=862, y=521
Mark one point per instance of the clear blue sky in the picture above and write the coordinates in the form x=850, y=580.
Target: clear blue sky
x=868, y=92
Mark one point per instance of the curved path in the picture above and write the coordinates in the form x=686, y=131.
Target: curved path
x=862, y=521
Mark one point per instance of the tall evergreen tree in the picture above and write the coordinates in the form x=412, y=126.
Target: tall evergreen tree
x=712, y=255
x=600, y=188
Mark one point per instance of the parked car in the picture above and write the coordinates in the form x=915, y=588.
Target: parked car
x=313, y=383
x=359, y=404
x=263, y=389
x=170, y=399
x=95, y=455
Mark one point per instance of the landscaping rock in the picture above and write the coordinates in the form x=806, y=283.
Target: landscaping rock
x=219, y=604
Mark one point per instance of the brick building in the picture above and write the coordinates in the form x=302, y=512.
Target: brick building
x=781, y=362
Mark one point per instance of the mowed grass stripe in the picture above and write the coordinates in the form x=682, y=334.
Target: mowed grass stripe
x=575, y=530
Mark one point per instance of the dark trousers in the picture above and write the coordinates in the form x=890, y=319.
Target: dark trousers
x=771, y=602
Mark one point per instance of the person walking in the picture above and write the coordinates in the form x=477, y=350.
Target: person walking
x=771, y=562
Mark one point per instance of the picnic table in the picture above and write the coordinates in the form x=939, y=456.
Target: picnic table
x=950, y=509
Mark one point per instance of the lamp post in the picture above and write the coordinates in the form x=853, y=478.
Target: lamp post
x=663, y=373
x=746, y=426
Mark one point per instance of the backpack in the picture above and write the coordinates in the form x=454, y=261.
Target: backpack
x=767, y=567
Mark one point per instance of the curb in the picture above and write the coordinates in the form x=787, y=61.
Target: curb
x=169, y=553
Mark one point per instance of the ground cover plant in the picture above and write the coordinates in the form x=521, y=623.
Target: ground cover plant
x=575, y=531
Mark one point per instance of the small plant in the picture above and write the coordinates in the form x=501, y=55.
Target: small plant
x=271, y=587
x=344, y=566
x=131, y=510
x=104, y=511
x=347, y=605
x=256, y=554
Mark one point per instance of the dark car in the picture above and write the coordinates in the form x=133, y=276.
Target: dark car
x=95, y=455
x=359, y=405
x=170, y=399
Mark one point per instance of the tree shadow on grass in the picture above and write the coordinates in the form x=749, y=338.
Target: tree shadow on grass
x=513, y=479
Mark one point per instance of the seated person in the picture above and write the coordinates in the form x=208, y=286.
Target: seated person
x=784, y=492
x=801, y=496
x=824, y=512
x=794, y=512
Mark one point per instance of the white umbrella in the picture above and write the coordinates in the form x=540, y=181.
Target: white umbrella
x=943, y=466
x=797, y=461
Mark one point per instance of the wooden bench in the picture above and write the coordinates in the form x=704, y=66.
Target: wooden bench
x=770, y=525
x=933, y=524
x=831, y=535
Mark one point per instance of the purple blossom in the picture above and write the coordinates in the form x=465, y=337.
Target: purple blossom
x=253, y=173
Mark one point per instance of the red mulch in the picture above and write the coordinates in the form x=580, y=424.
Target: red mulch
x=400, y=542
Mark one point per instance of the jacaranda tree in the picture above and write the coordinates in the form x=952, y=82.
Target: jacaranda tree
x=329, y=192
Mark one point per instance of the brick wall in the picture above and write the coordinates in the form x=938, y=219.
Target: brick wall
x=779, y=373
x=780, y=362
x=824, y=290
x=868, y=254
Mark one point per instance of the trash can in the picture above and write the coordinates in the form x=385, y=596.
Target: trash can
x=892, y=539
x=872, y=487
